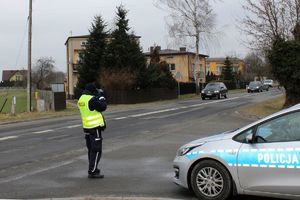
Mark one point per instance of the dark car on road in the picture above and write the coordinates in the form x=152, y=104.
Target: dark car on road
x=212, y=90
x=257, y=86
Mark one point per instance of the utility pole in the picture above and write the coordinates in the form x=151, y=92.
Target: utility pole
x=29, y=58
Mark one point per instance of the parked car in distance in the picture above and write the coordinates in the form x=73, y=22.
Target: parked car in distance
x=216, y=89
x=268, y=82
x=256, y=86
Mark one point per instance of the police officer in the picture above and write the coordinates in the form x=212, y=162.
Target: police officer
x=91, y=105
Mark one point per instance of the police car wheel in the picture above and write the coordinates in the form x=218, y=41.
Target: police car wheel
x=211, y=181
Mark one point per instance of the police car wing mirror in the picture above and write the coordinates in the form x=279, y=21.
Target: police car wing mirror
x=249, y=138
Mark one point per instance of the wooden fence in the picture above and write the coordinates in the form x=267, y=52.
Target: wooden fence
x=139, y=96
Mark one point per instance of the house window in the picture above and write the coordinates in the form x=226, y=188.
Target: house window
x=83, y=43
x=172, y=67
x=18, y=78
x=219, y=70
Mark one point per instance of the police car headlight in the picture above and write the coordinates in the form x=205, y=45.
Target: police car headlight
x=217, y=91
x=185, y=149
x=202, y=91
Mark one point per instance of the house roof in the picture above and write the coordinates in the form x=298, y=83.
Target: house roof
x=86, y=36
x=175, y=52
x=7, y=74
x=78, y=36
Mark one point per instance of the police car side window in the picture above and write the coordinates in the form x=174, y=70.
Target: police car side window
x=283, y=129
x=242, y=136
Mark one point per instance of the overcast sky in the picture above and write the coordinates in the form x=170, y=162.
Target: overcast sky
x=54, y=20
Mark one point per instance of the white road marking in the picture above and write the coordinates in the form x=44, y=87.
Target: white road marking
x=8, y=138
x=154, y=112
x=173, y=109
x=45, y=131
x=57, y=137
x=120, y=118
x=74, y=126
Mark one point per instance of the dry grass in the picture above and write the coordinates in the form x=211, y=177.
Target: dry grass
x=36, y=115
x=263, y=109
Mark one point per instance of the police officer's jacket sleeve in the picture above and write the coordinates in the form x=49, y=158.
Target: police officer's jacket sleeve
x=98, y=105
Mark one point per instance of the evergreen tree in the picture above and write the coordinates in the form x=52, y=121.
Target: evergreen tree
x=157, y=74
x=208, y=77
x=227, y=72
x=285, y=60
x=124, y=51
x=212, y=76
x=92, y=58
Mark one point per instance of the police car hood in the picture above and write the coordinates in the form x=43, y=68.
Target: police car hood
x=218, y=137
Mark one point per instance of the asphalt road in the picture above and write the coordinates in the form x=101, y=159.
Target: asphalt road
x=47, y=158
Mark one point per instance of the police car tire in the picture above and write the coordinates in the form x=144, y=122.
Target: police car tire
x=227, y=188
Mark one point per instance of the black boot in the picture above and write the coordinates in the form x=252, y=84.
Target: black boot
x=95, y=174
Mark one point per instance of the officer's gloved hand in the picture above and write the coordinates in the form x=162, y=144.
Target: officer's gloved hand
x=100, y=95
x=102, y=98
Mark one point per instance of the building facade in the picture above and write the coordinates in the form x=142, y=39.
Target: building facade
x=215, y=65
x=13, y=75
x=75, y=46
x=181, y=63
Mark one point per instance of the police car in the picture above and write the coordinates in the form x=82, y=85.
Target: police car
x=261, y=159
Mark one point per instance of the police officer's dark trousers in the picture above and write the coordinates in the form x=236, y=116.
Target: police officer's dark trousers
x=93, y=139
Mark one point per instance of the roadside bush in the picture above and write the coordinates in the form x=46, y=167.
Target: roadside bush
x=112, y=79
x=230, y=84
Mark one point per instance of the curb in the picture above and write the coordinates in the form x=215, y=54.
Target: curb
x=110, y=198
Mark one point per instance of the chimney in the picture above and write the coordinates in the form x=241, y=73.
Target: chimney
x=182, y=49
x=158, y=48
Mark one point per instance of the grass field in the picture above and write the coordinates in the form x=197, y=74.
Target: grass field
x=263, y=109
x=7, y=95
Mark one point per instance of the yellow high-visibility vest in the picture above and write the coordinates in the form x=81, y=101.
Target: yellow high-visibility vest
x=90, y=119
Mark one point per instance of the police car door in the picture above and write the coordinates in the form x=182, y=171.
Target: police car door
x=271, y=163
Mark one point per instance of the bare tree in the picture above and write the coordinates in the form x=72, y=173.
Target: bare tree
x=190, y=20
x=268, y=20
x=43, y=72
x=255, y=67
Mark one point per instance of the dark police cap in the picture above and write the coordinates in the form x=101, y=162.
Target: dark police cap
x=91, y=87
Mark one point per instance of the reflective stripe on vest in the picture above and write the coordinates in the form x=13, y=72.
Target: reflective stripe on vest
x=90, y=119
